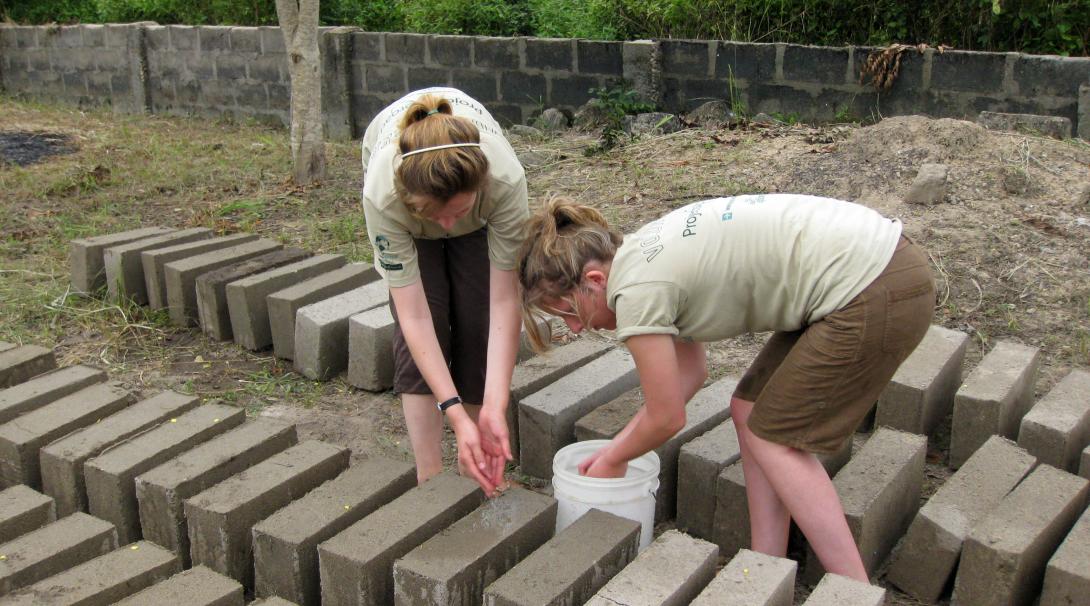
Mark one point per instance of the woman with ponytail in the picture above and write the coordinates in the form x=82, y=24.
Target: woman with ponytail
x=445, y=201
x=847, y=296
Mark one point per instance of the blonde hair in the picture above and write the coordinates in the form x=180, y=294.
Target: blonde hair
x=442, y=173
x=561, y=239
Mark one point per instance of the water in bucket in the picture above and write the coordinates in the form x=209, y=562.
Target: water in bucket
x=632, y=496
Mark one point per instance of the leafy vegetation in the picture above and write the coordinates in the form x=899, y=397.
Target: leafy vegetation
x=616, y=102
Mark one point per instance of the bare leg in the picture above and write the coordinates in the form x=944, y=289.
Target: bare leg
x=425, y=424
x=769, y=520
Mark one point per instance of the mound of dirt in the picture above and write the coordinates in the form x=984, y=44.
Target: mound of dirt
x=925, y=139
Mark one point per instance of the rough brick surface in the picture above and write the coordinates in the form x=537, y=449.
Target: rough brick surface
x=1084, y=466
x=154, y=262
x=1056, y=127
x=273, y=602
x=198, y=586
x=86, y=256
x=284, y=304
x=835, y=590
x=921, y=393
x=751, y=579
x=699, y=464
x=672, y=571
x=21, y=363
x=371, y=350
x=1067, y=577
x=46, y=388
x=22, y=510
x=181, y=275
x=212, y=310
x=54, y=548
x=321, y=330
x=1057, y=428
x=125, y=270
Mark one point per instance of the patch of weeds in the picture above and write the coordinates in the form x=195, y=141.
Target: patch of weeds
x=845, y=115
x=790, y=118
x=616, y=102
x=246, y=213
x=80, y=180
x=272, y=384
x=737, y=106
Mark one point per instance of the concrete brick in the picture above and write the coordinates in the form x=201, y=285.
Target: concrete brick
x=19, y=364
x=928, y=555
x=968, y=71
x=571, y=91
x=212, y=311
x=600, y=57
x=672, y=571
x=371, y=350
x=751, y=579
x=384, y=78
x=1084, y=466
x=154, y=262
x=286, y=543
x=496, y=53
x=745, y=61
x=356, y=564
x=321, y=330
x=284, y=304
x=1057, y=428
x=161, y=492
x=519, y=87
x=198, y=586
x=246, y=298
x=481, y=85
x=111, y=490
x=273, y=602
x=698, y=466
x=22, y=510
x=62, y=461
x=181, y=275
x=1083, y=129
x=427, y=77
x=1004, y=558
x=46, y=388
x=4, y=346
x=730, y=524
x=1067, y=578
x=815, y=64
x=921, y=393
x=22, y=439
x=880, y=491
x=547, y=418
x=549, y=54
x=685, y=58
x=54, y=548
x=451, y=51
x=405, y=48
x=993, y=399
x=570, y=567
x=104, y=580
x=221, y=518
x=453, y=567
x=835, y=590
x=125, y=271
x=533, y=374
x=85, y=256
x=1057, y=127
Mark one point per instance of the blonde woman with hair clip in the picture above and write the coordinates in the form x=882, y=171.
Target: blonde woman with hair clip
x=445, y=201
x=847, y=297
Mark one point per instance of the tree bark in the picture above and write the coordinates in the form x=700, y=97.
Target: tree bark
x=299, y=24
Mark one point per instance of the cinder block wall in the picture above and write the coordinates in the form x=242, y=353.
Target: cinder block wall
x=242, y=72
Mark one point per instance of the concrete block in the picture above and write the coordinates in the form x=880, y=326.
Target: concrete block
x=21, y=363
x=212, y=310
x=1084, y=112
x=1004, y=558
x=751, y=579
x=835, y=590
x=1056, y=127
x=161, y=492
x=110, y=477
x=672, y=571
x=698, y=466
x=1057, y=428
x=371, y=349
x=547, y=418
x=198, y=586
x=22, y=510
x=921, y=393
x=993, y=399
x=356, y=565
x=86, y=261
x=273, y=602
x=1084, y=466
x=928, y=555
x=104, y=580
x=54, y=548
x=1067, y=576
x=221, y=518
x=4, y=346
x=247, y=298
x=453, y=567
x=286, y=543
x=46, y=388
x=284, y=304
x=321, y=330
x=570, y=567
x=880, y=491
x=125, y=270
x=22, y=439
x=181, y=275
x=526, y=349
x=154, y=262
x=62, y=461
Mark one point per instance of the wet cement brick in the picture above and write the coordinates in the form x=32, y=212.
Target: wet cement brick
x=161, y=492
x=286, y=543
x=54, y=548
x=85, y=256
x=921, y=392
x=1057, y=428
x=110, y=477
x=672, y=571
x=221, y=518
x=356, y=564
x=835, y=590
x=198, y=586
x=4, y=346
x=212, y=310
x=321, y=330
x=247, y=302
x=285, y=304
x=62, y=461
x=46, y=388
x=22, y=510
x=371, y=349
x=154, y=262
x=181, y=276
x=1004, y=558
x=125, y=270
x=993, y=399
x=19, y=364
x=570, y=567
x=273, y=602
x=1084, y=466
x=453, y=567
x=22, y=439
x=698, y=466
x=751, y=579
x=1067, y=576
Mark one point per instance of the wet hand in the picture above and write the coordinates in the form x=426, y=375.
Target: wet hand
x=599, y=465
x=495, y=442
x=472, y=458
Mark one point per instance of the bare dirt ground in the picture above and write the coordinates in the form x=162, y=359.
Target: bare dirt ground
x=1009, y=245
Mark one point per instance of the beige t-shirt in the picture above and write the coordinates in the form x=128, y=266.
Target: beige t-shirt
x=390, y=225
x=728, y=266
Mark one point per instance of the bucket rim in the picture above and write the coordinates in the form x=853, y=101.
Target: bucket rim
x=578, y=450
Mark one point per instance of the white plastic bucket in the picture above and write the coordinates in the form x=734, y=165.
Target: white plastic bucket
x=632, y=496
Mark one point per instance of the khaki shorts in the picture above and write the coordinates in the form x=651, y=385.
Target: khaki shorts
x=812, y=387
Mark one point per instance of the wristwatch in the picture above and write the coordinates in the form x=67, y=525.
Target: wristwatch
x=443, y=406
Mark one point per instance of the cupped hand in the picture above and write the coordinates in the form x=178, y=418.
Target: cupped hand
x=495, y=442
x=472, y=458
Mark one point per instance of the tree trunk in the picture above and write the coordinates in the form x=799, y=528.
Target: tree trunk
x=299, y=23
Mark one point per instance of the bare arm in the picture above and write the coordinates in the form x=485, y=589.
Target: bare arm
x=504, y=324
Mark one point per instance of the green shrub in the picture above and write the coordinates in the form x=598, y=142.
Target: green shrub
x=49, y=11
x=371, y=15
x=190, y=12
x=470, y=17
